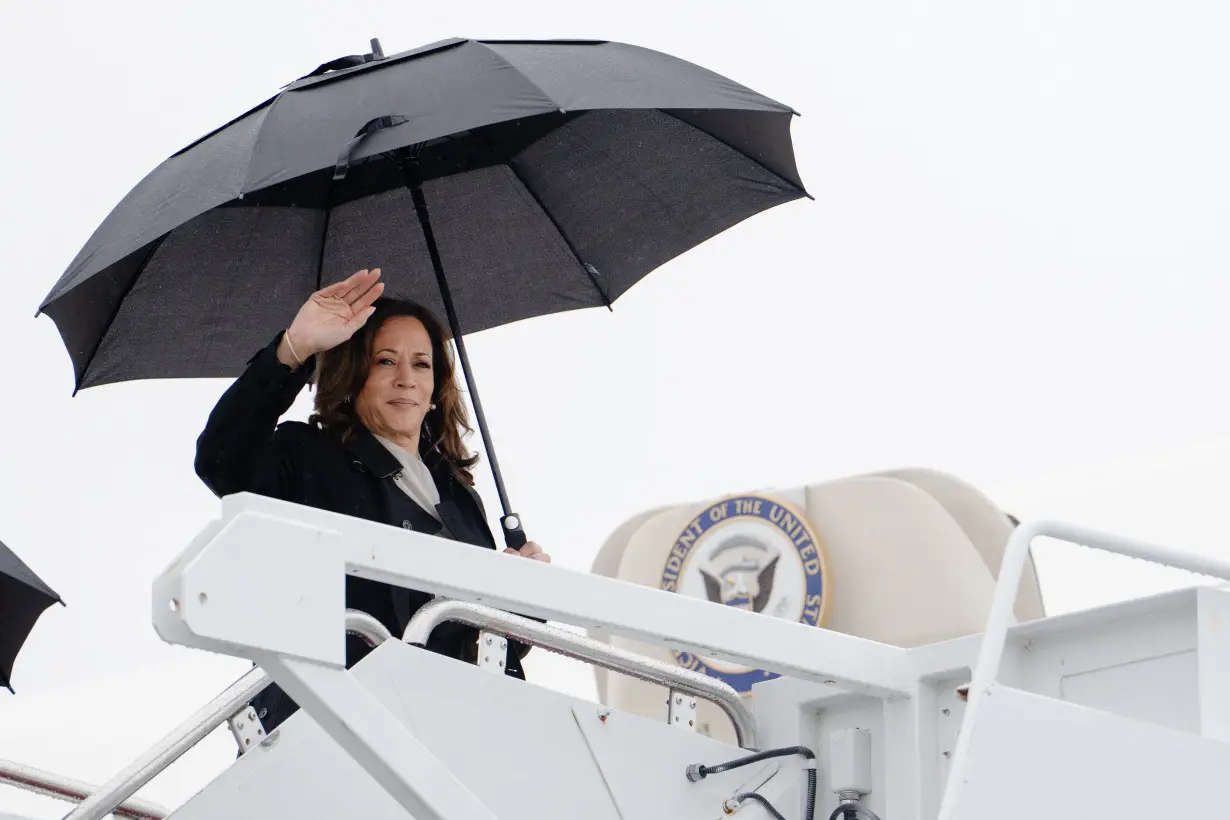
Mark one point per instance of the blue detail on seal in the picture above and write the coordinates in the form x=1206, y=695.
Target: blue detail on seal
x=749, y=506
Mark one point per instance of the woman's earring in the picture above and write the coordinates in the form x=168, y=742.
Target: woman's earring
x=433, y=407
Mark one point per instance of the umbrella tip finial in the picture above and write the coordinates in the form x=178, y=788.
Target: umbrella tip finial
x=377, y=51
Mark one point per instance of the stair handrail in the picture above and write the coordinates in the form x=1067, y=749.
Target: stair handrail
x=995, y=635
x=588, y=650
x=111, y=795
x=60, y=787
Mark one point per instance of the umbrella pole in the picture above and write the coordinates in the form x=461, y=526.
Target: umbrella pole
x=510, y=523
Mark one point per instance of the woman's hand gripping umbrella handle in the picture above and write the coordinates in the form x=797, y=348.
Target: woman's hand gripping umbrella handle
x=514, y=536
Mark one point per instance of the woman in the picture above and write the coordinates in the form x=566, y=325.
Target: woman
x=384, y=443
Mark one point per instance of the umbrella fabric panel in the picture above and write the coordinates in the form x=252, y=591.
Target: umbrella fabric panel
x=762, y=136
x=228, y=280
x=13, y=567
x=617, y=75
x=188, y=184
x=631, y=190
x=89, y=292
x=503, y=257
x=82, y=315
x=446, y=92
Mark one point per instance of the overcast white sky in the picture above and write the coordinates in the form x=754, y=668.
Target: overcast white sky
x=1015, y=271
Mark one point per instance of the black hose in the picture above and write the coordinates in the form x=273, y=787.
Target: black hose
x=762, y=800
x=704, y=771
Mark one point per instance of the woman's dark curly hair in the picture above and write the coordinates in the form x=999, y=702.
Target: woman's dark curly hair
x=342, y=372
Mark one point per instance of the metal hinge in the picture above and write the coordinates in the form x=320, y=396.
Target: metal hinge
x=492, y=652
x=681, y=710
x=246, y=728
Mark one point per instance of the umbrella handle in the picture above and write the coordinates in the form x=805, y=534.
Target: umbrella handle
x=514, y=536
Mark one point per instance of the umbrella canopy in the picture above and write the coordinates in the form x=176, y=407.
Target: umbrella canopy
x=557, y=174
x=23, y=598
x=543, y=176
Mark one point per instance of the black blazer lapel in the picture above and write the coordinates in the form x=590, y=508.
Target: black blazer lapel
x=371, y=455
x=460, y=507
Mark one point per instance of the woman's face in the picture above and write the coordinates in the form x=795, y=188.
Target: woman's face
x=400, y=380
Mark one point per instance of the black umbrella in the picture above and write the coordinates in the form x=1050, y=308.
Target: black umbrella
x=543, y=176
x=23, y=598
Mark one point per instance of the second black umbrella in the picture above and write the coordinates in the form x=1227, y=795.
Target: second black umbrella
x=23, y=599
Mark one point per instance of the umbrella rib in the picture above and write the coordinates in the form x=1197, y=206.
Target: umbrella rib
x=222, y=128
x=511, y=161
x=320, y=260
x=256, y=143
x=520, y=73
x=119, y=304
x=606, y=298
x=721, y=141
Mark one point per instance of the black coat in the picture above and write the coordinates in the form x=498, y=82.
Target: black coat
x=243, y=448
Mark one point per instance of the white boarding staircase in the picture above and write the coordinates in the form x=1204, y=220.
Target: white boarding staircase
x=1121, y=712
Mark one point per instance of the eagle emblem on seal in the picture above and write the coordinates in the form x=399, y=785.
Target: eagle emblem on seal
x=743, y=585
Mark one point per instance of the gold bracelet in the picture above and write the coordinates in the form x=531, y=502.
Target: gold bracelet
x=291, y=347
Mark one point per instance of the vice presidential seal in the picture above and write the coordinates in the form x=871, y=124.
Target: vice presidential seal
x=752, y=552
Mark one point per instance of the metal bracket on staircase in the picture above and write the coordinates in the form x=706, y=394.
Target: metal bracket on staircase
x=684, y=683
x=247, y=729
x=492, y=652
x=681, y=710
